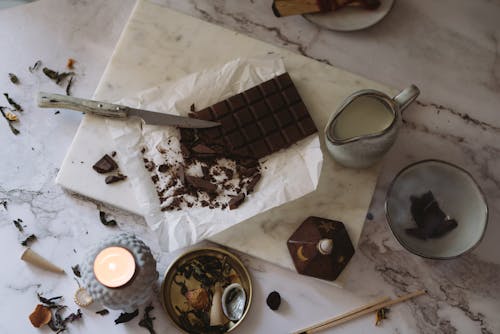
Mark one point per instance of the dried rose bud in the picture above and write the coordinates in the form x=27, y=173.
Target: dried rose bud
x=198, y=298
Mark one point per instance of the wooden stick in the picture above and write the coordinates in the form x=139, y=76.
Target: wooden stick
x=343, y=318
x=356, y=310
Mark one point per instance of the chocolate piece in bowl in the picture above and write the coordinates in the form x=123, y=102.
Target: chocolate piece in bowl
x=320, y=248
x=259, y=121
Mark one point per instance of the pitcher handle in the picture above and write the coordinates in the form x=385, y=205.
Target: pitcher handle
x=406, y=97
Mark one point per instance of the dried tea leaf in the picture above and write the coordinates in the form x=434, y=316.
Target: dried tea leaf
x=76, y=270
x=102, y=217
x=102, y=312
x=68, y=86
x=13, y=78
x=381, y=315
x=28, y=240
x=73, y=316
x=4, y=204
x=13, y=103
x=70, y=64
x=17, y=224
x=12, y=128
x=10, y=116
x=35, y=66
x=126, y=317
x=147, y=320
x=48, y=301
x=114, y=178
x=56, y=76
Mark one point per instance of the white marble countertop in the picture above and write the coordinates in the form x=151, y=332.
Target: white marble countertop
x=448, y=48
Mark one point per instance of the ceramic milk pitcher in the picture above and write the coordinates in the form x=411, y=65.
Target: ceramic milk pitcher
x=365, y=126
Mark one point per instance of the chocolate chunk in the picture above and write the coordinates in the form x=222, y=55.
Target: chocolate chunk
x=202, y=149
x=114, y=178
x=149, y=165
x=273, y=300
x=253, y=182
x=105, y=165
x=431, y=221
x=201, y=184
x=260, y=121
x=236, y=201
x=163, y=168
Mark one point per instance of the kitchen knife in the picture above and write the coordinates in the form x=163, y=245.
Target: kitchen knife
x=48, y=100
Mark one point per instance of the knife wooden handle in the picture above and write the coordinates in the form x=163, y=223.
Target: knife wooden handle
x=48, y=100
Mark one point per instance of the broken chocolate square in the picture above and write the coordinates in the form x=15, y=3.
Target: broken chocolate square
x=114, y=178
x=105, y=165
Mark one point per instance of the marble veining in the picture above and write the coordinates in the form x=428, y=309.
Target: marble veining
x=441, y=46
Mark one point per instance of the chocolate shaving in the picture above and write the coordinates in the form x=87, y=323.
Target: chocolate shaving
x=201, y=184
x=253, y=182
x=114, y=178
x=236, y=201
x=126, y=317
x=105, y=165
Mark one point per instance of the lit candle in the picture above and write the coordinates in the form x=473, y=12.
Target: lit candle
x=114, y=266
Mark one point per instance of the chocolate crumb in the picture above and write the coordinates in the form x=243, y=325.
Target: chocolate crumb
x=155, y=178
x=114, y=178
x=192, y=108
x=236, y=201
x=143, y=150
x=253, y=182
x=113, y=154
x=105, y=165
x=163, y=168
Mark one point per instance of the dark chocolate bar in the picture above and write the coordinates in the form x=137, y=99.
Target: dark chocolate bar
x=260, y=121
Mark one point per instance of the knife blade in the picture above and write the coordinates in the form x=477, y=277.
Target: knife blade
x=48, y=100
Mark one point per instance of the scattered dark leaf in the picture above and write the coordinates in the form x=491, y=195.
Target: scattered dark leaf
x=102, y=312
x=126, y=317
x=13, y=78
x=57, y=112
x=73, y=316
x=28, y=240
x=68, y=86
x=113, y=154
x=76, y=270
x=102, y=217
x=17, y=224
x=48, y=301
x=35, y=66
x=147, y=320
x=381, y=315
x=192, y=108
x=4, y=204
x=13, y=103
x=56, y=76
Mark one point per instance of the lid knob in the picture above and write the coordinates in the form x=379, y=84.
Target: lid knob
x=325, y=246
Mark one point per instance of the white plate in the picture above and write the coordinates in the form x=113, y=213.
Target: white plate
x=351, y=18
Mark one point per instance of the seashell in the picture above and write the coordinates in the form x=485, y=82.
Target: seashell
x=36, y=259
x=233, y=301
x=40, y=316
x=217, y=317
x=198, y=298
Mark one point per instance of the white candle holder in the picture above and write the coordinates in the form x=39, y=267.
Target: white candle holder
x=134, y=293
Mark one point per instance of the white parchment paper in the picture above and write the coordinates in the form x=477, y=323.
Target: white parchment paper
x=286, y=175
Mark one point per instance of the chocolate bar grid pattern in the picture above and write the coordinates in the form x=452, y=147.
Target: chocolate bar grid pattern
x=260, y=120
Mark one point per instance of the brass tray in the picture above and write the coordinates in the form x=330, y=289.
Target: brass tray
x=175, y=303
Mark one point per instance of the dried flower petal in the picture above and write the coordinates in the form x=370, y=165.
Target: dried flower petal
x=198, y=298
x=40, y=316
x=10, y=116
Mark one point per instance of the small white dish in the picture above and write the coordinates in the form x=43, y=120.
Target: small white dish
x=457, y=194
x=351, y=18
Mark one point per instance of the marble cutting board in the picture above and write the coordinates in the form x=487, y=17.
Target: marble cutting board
x=159, y=45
